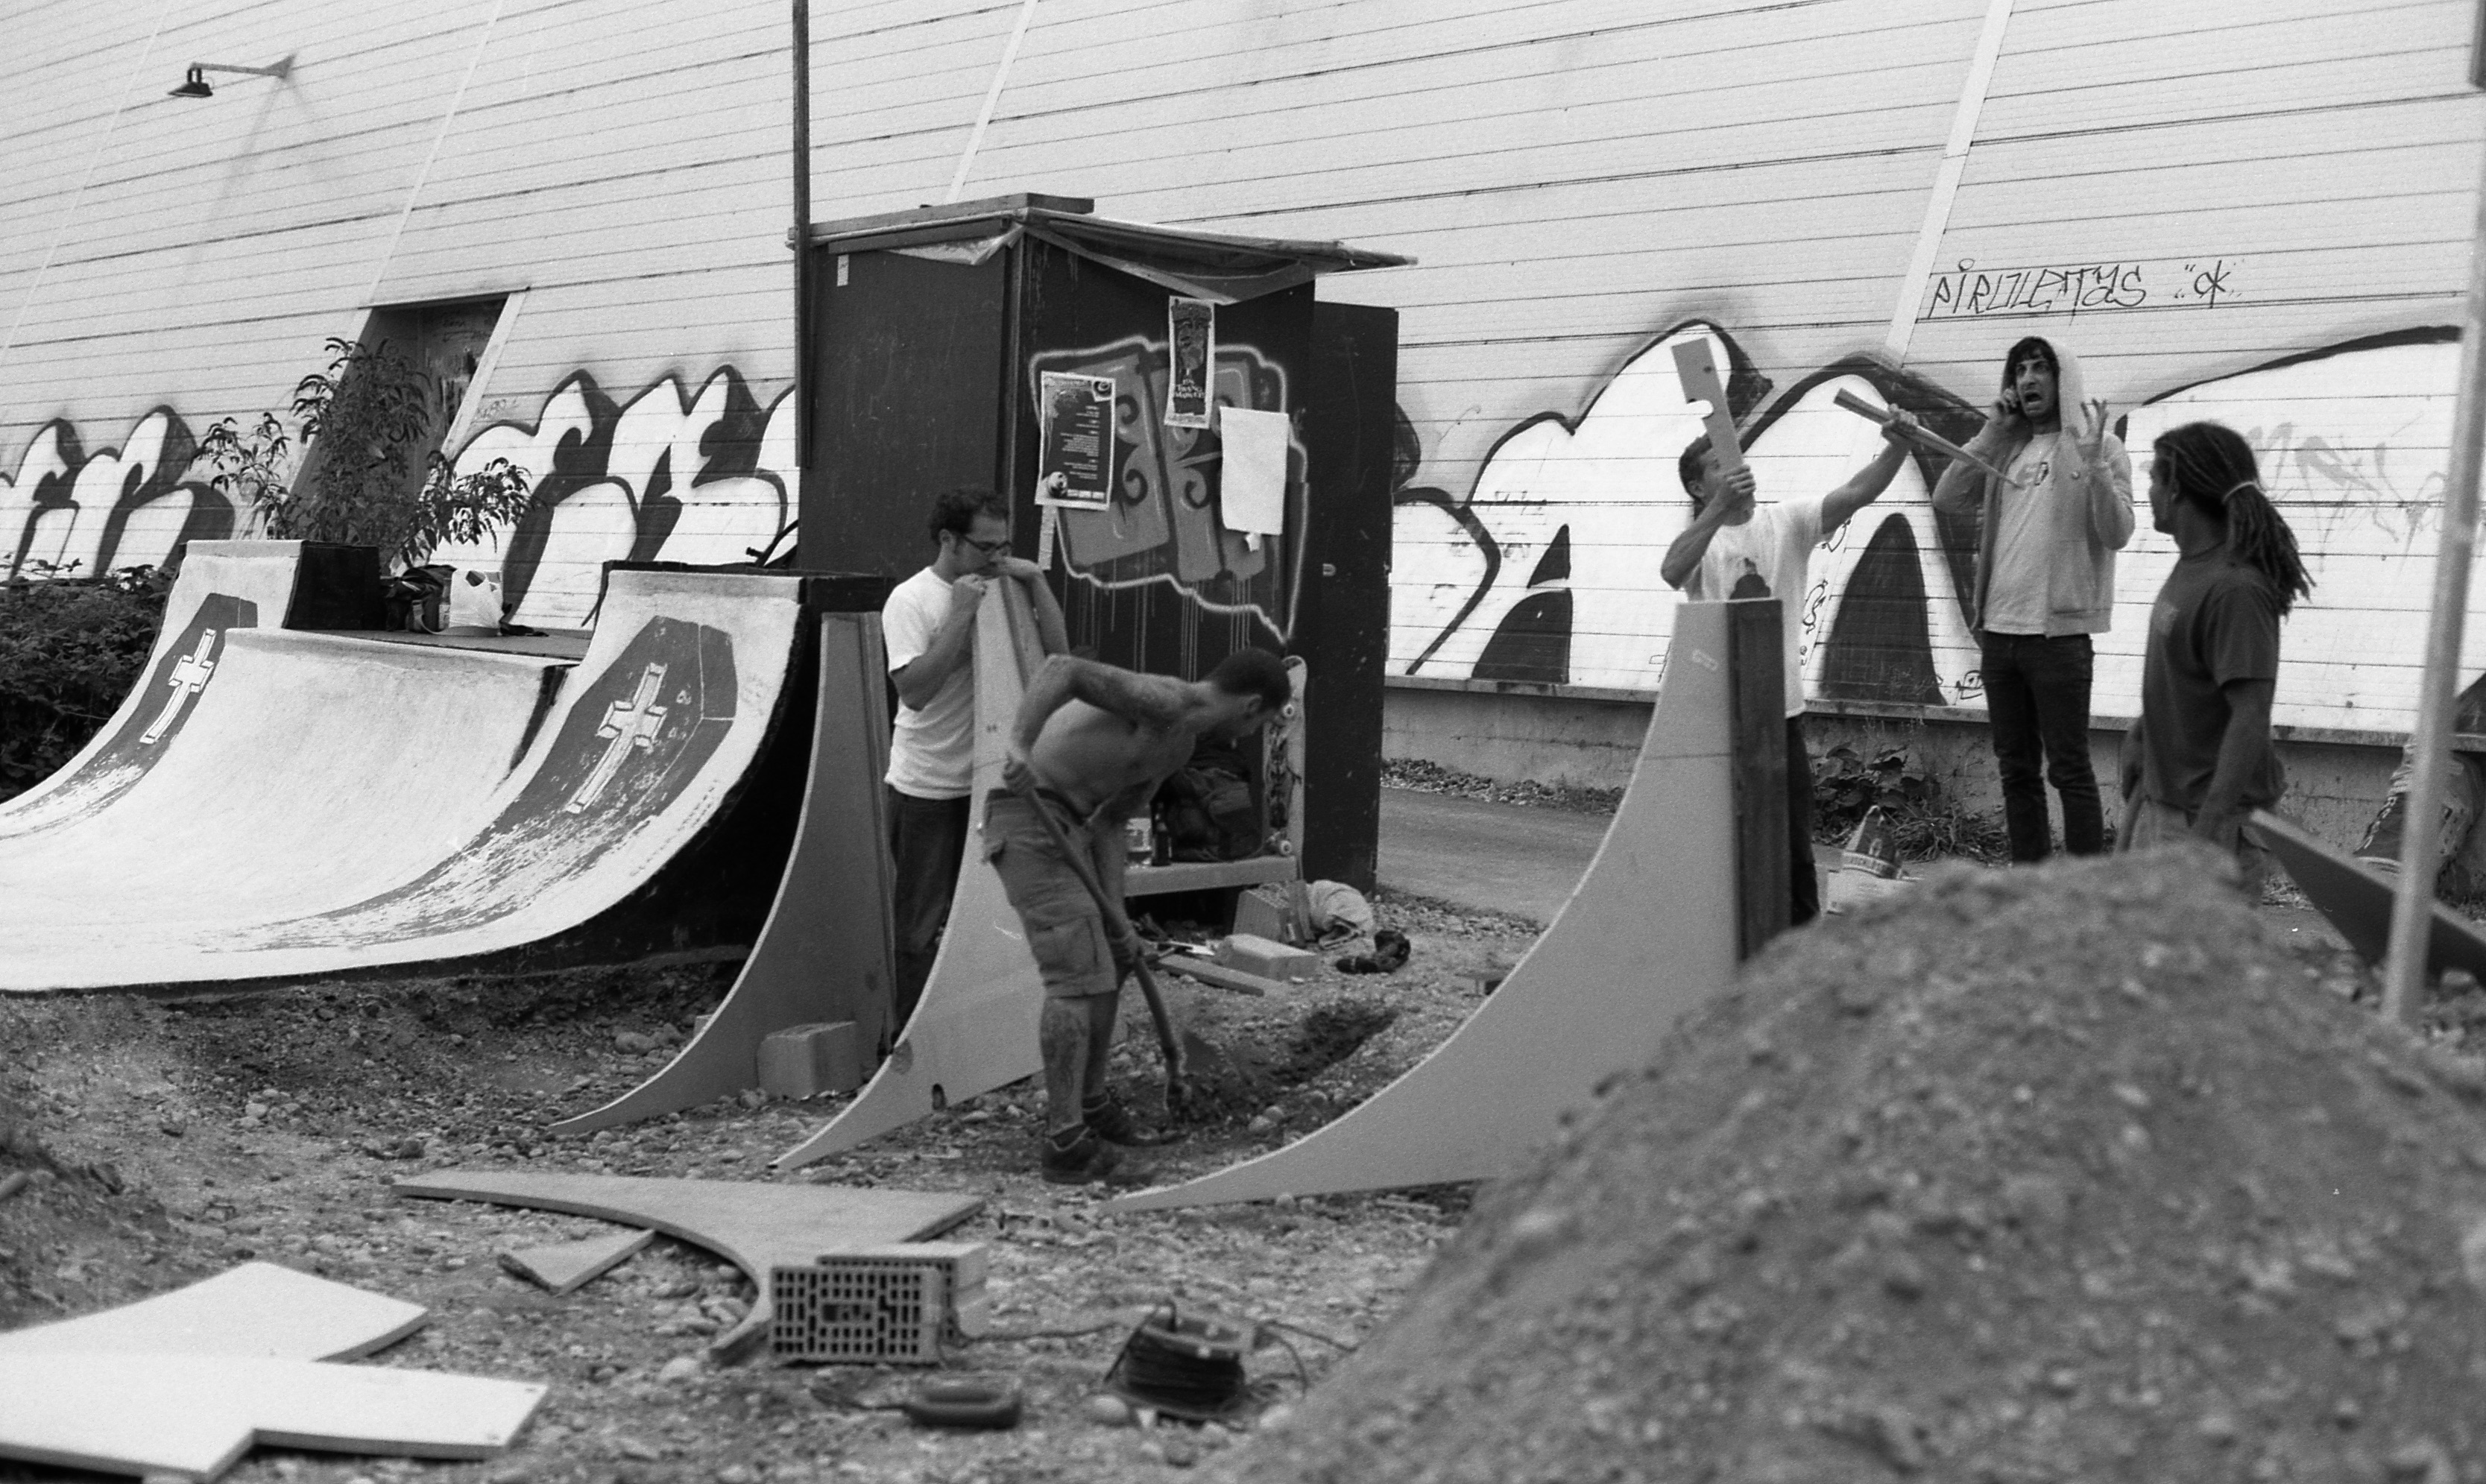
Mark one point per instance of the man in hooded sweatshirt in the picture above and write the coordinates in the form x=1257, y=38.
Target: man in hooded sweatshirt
x=2045, y=583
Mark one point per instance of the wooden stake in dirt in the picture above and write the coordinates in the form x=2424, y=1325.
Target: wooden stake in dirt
x=2404, y=974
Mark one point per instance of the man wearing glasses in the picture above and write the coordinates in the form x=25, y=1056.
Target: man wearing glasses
x=928, y=625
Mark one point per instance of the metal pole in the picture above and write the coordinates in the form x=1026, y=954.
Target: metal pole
x=2404, y=977
x=802, y=239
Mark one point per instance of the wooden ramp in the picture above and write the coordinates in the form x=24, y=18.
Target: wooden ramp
x=336, y=804
x=975, y=1027
x=2358, y=901
x=1649, y=931
x=826, y=951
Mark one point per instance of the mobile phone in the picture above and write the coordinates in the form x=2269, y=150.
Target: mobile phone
x=2011, y=402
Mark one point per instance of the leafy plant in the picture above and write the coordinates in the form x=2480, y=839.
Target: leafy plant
x=369, y=473
x=70, y=649
x=1924, y=825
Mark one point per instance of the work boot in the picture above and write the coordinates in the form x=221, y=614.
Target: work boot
x=1086, y=1160
x=1108, y=1119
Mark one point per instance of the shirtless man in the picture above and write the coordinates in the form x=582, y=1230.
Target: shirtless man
x=1091, y=743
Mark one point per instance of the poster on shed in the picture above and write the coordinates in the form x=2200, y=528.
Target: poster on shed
x=1191, y=339
x=1076, y=469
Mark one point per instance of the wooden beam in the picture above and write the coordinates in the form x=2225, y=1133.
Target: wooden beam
x=1756, y=720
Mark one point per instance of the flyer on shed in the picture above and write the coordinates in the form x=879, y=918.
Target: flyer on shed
x=1078, y=442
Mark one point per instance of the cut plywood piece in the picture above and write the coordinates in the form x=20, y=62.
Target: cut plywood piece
x=256, y=1310
x=975, y=1027
x=1649, y=931
x=195, y=1415
x=567, y=1267
x=2358, y=901
x=754, y=1227
x=828, y=951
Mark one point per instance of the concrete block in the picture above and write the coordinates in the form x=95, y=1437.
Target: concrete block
x=1255, y=954
x=1262, y=911
x=808, y=1061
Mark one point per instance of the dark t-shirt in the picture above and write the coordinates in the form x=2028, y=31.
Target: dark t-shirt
x=2214, y=623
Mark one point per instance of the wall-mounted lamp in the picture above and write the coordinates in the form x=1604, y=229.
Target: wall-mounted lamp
x=196, y=83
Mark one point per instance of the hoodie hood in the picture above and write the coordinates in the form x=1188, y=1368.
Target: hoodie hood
x=2071, y=385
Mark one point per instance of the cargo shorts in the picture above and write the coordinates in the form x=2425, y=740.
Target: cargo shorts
x=1074, y=955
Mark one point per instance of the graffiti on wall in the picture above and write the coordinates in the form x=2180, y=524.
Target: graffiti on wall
x=673, y=474
x=68, y=509
x=1547, y=572
x=1166, y=528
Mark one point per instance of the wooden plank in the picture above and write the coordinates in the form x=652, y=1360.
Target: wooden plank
x=256, y=1310
x=1648, y=933
x=2357, y=900
x=825, y=952
x=568, y=1265
x=200, y=1414
x=1206, y=875
x=1757, y=720
x=975, y=1027
x=753, y=1226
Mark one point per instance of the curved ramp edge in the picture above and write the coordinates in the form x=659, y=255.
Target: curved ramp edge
x=223, y=586
x=826, y=951
x=975, y=1027
x=754, y=1227
x=1649, y=931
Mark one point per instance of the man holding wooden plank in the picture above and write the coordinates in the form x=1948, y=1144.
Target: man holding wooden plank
x=2052, y=521
x=1736, y=547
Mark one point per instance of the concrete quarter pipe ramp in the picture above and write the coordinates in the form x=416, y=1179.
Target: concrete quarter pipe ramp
x=224, y=585
x=334, y=804
x=1649, y=931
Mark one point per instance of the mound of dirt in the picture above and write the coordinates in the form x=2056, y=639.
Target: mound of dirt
x=2057, y=1174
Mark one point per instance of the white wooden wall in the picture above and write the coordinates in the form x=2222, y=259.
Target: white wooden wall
x=1578, y=177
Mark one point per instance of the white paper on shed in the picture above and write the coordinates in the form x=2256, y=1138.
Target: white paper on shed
x=1252, y=495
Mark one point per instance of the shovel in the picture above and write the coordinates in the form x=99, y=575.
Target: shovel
x=1118, y=927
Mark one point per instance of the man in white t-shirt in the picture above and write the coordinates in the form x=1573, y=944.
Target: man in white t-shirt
x=928, y=626
x=1736, y=548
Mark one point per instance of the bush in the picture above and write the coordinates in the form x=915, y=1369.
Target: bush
x=1845, y=785
x=69, y=649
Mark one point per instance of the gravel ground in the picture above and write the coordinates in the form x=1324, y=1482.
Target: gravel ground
x=167, y=1140
x=2075, y=1173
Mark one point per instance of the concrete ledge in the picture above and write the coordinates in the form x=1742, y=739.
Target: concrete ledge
x=1589, y=737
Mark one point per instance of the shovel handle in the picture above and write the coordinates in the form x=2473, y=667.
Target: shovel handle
x=1119, y=926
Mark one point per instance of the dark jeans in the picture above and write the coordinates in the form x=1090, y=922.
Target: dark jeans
x=2037, y=698
x=928, y=838
x=1803, y=903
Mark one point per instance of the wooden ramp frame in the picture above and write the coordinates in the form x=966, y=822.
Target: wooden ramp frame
x=826, y=953
x=975, y=1027
x=1651, y=930
x=2358, y=901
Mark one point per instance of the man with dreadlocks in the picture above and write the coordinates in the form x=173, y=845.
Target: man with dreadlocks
x=2200, y=758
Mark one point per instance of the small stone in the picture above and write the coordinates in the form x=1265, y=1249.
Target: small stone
x=2130, y=1096
x=517, y=1473
x=734, y=1474
x=1179, y=1453
x=1276, y=1418
x=2218, y=1429
x=632, y=1447
x=681, y=1367
x=633, y=1042
x=752, y=1097
x=254, y=1111
x=172, y=1130
x=1108, y=1411
x=2424, y=1461
x=1154, y=1451
x=1260, y=1124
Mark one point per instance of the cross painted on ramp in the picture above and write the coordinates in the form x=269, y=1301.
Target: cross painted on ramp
x=630, y=725
x=191, y=675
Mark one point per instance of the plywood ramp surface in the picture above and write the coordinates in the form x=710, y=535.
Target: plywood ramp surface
x=359, y=804
x=195, y=1416
x=752, y=1226
x=256, y=1310
x=1648, y=932
x=975, y=1027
